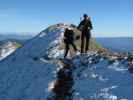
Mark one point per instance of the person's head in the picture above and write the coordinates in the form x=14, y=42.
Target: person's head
x=68, y=28
x=85, y=16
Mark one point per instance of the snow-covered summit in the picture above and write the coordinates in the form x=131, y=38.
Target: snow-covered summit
x=21, y=75
x=25, y=77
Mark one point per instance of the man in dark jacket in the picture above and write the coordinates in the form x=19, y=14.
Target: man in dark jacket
x=85, y=26
x=69, y=40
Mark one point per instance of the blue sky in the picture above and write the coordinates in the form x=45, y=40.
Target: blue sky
x=109, y=17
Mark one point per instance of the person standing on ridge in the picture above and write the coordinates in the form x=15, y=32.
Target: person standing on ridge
x=85, y=27
x=69, y=40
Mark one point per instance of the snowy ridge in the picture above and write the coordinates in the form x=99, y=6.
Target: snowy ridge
x=21, y=76
x=88, y=77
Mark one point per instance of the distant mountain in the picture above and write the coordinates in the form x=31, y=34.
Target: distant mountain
x=7, y=48
x=14, y=36
x=120, y=44
x=10, y=43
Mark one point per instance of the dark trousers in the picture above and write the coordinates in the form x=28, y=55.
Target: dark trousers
x=67, y=47
x=85, y=35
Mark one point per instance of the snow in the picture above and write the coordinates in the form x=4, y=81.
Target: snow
x=21, y=76
x=102, y=83
x=91, y=77
x=6, y=50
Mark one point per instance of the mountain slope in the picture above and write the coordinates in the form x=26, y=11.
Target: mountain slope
x=23, y=76
x=20, y=75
